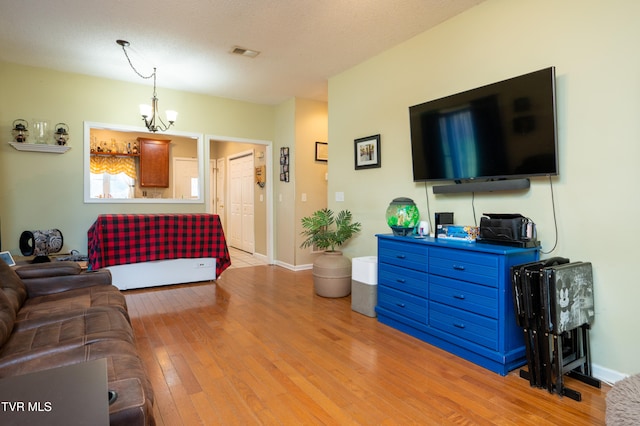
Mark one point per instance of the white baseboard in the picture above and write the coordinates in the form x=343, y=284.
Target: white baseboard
x=304, y=267
x=607, y=375
x=261, y=257
x=294, y=268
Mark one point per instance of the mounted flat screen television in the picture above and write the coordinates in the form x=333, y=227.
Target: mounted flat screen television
x=504, y=130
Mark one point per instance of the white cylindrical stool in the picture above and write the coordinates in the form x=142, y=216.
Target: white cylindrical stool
x=364, y=285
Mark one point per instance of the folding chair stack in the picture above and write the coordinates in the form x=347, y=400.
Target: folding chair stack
x=553, y=300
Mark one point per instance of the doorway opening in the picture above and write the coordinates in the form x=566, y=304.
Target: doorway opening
x=225, y=194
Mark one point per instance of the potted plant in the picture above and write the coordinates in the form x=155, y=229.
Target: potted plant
x=331, y=270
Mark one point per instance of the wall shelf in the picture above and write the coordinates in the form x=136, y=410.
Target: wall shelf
x=113, y=154
x=40, y=147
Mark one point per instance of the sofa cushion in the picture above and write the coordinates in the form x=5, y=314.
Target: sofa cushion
x=71, y=300
x=7, y=318
x=61, y=332
x=12, y=286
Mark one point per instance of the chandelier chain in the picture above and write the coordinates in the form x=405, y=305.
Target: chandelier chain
x=134, y=68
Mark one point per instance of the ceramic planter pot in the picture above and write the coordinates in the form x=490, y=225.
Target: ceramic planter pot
x=332, y=275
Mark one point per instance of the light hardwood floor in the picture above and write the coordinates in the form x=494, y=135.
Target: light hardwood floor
x=242, y=259
x=258, y=347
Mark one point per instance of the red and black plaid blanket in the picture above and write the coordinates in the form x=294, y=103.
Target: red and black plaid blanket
x=116, y=239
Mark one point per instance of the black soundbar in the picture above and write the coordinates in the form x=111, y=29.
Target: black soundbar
x=488, y=186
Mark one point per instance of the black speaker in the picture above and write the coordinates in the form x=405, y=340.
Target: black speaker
x=490, y=186
x=445, y=218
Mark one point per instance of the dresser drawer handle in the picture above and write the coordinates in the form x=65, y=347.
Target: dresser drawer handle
x=401, y=256
x=401, y=280
x=458, y=267
x=459, y=296
x=458, y=325
x=400, y=305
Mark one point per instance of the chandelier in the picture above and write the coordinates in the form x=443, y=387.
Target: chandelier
x=149, y=113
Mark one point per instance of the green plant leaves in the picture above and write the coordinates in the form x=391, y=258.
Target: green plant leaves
x=319, y=232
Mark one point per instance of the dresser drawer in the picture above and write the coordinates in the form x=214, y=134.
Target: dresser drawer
x=406, y=280
x=475, y=298
x=411, y=256
x=472, y=327
x=402, y=303
x=479, y=268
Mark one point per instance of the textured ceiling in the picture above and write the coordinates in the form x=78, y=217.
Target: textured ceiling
x=302, y=42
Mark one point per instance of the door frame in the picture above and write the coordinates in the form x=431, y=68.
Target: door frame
x=268, y=185
x=214, y=176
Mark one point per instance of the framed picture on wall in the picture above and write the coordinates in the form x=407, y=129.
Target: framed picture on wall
x=367, y=152
x=284, y=164
x=322, y=151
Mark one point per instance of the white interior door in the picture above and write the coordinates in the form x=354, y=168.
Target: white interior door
x=185, y=178
x=241, y=204
x=248, y=220
x=235, y=205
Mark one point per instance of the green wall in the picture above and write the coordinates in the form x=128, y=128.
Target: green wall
x=593, y=46
x=285, y=197
x=42, y=190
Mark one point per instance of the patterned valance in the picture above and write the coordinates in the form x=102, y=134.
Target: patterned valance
x=113, y=165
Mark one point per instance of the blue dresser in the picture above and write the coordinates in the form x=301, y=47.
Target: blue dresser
x=454, y=295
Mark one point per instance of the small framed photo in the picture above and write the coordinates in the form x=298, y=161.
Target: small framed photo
x=284, y=164
x=322, y=151
x=7, y=258
x=367, y=152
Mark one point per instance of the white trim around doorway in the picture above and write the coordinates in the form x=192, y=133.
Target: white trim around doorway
x=269, y=184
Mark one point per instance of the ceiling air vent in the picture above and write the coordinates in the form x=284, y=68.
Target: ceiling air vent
x=236, y=50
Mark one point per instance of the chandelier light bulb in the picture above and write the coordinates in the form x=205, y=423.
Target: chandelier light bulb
x=145, y=110
x=171, y=116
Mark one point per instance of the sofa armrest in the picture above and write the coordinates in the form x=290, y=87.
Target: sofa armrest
x=43, y=279
x=52, y=269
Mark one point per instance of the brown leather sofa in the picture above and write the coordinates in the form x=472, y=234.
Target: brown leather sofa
x=55, y=314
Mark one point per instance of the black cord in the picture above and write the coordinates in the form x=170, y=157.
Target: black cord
x=555, y=219
x=426, y=193
x=473, y=208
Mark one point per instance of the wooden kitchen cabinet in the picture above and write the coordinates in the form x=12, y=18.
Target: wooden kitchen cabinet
x=154, y=163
